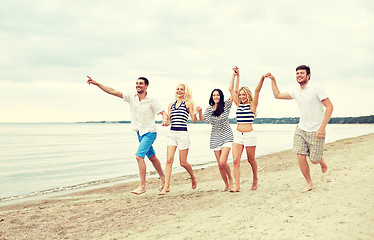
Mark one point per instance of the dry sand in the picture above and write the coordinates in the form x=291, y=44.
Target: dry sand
x=340, y=206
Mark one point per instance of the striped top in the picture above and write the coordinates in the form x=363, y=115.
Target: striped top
x=178, y=117
x=244, y=113
x=221, y=129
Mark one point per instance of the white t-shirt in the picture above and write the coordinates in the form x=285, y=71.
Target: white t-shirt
x=143, y=112
x=310, y=105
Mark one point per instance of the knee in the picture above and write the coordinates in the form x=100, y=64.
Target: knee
x=169, y=161
x=251, y=160
x=236, y=161
x=184, y=164
x=139, y=159
x=221, y=164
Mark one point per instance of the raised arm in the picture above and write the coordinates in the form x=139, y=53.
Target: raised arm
x=234, y=90
x=106, y=89
x=276, y=92
x=257, y=93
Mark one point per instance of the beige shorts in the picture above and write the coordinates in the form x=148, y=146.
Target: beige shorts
x=179, y=138
x=248, y=139
x=305, y=143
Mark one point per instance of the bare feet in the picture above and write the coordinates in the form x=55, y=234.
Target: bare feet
x=138, y=190
x=308, y=188
x=162, y=183
x=231, y=183
x=164, y=190
x=235, y=189
x=225, y=189
x=194, y=183
x=323, y=166
x=254, y=184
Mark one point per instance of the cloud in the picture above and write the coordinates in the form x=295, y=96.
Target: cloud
x=51, y=47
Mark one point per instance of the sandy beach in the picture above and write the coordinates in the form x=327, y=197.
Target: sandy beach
x=340, y=207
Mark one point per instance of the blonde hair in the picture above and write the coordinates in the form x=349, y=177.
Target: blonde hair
x=248, y=92
x=187, y=93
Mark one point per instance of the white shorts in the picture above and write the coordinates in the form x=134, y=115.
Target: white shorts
x=179, y=138
x=248, y=139
x=228, y=144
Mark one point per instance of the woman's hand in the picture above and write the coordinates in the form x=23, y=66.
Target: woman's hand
x=236, y=71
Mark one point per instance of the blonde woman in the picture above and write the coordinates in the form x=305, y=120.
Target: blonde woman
x=178, y=135
x=244, y=136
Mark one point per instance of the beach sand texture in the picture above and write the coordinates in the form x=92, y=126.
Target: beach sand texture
x=340, y=207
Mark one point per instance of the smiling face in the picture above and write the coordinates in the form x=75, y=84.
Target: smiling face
x=141, y=87
x=216, y=97
x=243, y=96
x=301, y=77
x=180, y=91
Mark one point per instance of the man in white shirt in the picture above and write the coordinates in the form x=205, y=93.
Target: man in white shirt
x=310, y=133
x=143, y=111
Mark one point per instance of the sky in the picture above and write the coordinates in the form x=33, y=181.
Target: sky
x=49, y=47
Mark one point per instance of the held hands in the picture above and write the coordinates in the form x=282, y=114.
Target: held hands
x=268, y=75
x=198, y=109
x=165, y=123
x=236, y=71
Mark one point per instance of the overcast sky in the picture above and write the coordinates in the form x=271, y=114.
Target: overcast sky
x=49, y=47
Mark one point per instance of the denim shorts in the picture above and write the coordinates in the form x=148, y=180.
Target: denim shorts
x=145, y=146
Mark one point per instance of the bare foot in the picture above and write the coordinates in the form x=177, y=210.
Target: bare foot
x=163, y=191
x=194, y=183
x=254, y=184
x=307, y=188
x=138, y=190
x=231, y=183
x=225, y=189
x=235, y=189
x=323, y=166
x=162, y=183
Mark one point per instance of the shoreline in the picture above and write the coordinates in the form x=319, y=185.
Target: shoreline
x=340, y=207
x=51, y=192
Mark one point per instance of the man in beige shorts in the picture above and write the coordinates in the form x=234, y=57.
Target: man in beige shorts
x=315, y=113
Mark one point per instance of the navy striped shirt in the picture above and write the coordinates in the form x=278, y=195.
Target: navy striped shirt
x=244, y=114
x=178, y=117
x=221, y=129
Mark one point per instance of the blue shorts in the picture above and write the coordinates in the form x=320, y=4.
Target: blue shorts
x=145, y=146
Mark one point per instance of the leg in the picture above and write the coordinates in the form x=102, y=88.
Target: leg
x=304, y=167
x=237, y=150
x=157, y=165
x=168, y=168
x=217, y=154
x=225, y=167
x=251, y=159
x=142, y=172
x=183, y=161
x=145, y=147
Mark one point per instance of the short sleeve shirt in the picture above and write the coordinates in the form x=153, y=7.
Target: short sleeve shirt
x=311, y=107
x=143, y=112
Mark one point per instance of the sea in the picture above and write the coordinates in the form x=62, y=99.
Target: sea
x=48, y=158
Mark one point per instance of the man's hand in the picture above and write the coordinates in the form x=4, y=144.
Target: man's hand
x=91, y=81
x=320, y=133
